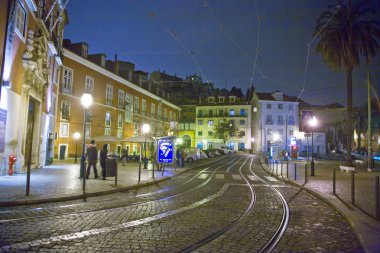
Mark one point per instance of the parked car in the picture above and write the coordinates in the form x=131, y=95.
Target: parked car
x=223, y=148
x=215, y=151
x=193, y=155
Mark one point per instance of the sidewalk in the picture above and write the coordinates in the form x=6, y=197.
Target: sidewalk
x=360, y=215
x=61, y=181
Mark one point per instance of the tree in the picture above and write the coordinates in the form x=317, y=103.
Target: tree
x=347, y=32
x=226, y=130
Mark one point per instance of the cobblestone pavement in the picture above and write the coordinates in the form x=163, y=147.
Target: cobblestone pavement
x=176, y=214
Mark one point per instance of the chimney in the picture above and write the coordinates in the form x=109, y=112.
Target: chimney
x=116, y=70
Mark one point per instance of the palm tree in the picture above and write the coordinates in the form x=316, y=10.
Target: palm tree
x=348, y=32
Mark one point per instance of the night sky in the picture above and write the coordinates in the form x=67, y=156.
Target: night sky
x=217, y=39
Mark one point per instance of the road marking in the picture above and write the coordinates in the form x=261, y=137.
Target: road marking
x=219, y=176
x=203, y=176
x=236, y=177
x=254, y=178
x=272, y=179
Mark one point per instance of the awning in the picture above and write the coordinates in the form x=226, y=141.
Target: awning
x=106, y=138
x=139, y=139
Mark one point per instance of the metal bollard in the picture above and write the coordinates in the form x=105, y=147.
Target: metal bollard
x=334, y=180
x=295, y=171
x=305, y=173
x=377, y=201
x=287, y=169
x=276, y=169
x=353, y=188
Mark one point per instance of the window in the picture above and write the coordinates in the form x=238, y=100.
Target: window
x=280, y=106
x=232, y=112
x=319, y=138
x=291, y=107
x=291, y=132
x=89, y=115
x=159, y=111
x=153, y=109
x=242, y=122
x=109, y=94
x=199, y=133
x=107, y=131
x=210, y=133
x=137, y=105
x=120, y=121
x=20, y=19
x=89, y=85
x=269, y=120
x=170, y=116
x=64, y=130
x=210, y=113
x=280, y=120
x=220, y=112
x=269, y=106
x=120, y=101
x=242, y=112
x=84, y=51
x=67, y=80
x=269, y=132
x=210, y=122
x=291, y=120
x=165, y=114
x=200, y=122
x=119, y=134
x=88, y=131
x=200, y=113
x=211, y=99
x=174, y=116
x=232, y=99
x=65, y=110
x=143, y=106
x=108, y=119
x=221, y=99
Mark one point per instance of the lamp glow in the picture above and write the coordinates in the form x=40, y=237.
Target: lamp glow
x=86, y=100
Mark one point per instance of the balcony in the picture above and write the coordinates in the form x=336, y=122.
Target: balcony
x=280, y=122
x=269, y=122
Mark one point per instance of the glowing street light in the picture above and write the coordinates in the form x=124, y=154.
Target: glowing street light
x=276, y=137
x=313, y=123
x=86, y=101
x=76, y=137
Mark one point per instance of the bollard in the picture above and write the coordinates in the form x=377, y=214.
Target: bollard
x=287, y=169
x=276, y=169
x=377, y=201
x=334, y=180
x=281, y=168
x=27, y=178
x=352, y=188
x=305, y=173
x=295, y=171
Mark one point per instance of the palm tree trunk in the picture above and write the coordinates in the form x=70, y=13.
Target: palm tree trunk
x=349, y=117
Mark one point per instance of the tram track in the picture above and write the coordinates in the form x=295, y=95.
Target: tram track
x=123, y=204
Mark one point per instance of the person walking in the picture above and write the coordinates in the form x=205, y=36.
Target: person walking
x=103, y=160
x=92, y=156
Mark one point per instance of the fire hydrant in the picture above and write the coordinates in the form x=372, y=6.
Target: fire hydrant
x=11, y=161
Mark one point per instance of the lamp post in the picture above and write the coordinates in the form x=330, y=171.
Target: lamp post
x=86, y=101
x=145, y=130
x=76, y=137
x=313, y=123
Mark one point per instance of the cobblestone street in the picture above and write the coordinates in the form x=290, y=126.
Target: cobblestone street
x=231, y=205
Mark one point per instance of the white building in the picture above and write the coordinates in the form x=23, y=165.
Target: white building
x=305, y=143
x=277, y=121
x=220, y=108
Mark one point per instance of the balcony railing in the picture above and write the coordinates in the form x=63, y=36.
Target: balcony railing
x=269, y=122
x=223, y=115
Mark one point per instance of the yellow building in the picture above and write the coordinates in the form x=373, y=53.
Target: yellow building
x=29, y=78
x=119, y=108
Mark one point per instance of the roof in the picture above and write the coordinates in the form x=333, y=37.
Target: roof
x=268, y=96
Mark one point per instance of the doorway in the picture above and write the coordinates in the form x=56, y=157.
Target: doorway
x=30, y=130
x=62, y=152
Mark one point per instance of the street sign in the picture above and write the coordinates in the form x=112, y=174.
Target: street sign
x=165, y=151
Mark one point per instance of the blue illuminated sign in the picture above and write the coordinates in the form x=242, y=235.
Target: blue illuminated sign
x=165, y=151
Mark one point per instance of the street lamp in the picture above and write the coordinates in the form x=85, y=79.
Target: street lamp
x=145, y=130
x=86, y=101
x=76, y=137
x=313, y=123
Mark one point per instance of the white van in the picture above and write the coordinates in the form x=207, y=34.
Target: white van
x=225, y=149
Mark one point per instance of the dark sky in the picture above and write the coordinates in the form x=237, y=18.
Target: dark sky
x=217, y=39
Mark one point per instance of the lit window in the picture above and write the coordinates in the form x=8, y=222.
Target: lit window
x=120, y=121
x=64, y=130
x=119, y=134
x=232, y=112
x=242, y=112
x=20, y=19
x=210, y=122
x=200, y=122
x=88, y=131
x=108, y=119
x=107, y=131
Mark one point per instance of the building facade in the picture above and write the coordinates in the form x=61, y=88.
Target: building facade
x=223, y=108
x=30, y=77
x=119, y=108
x=277, y=123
